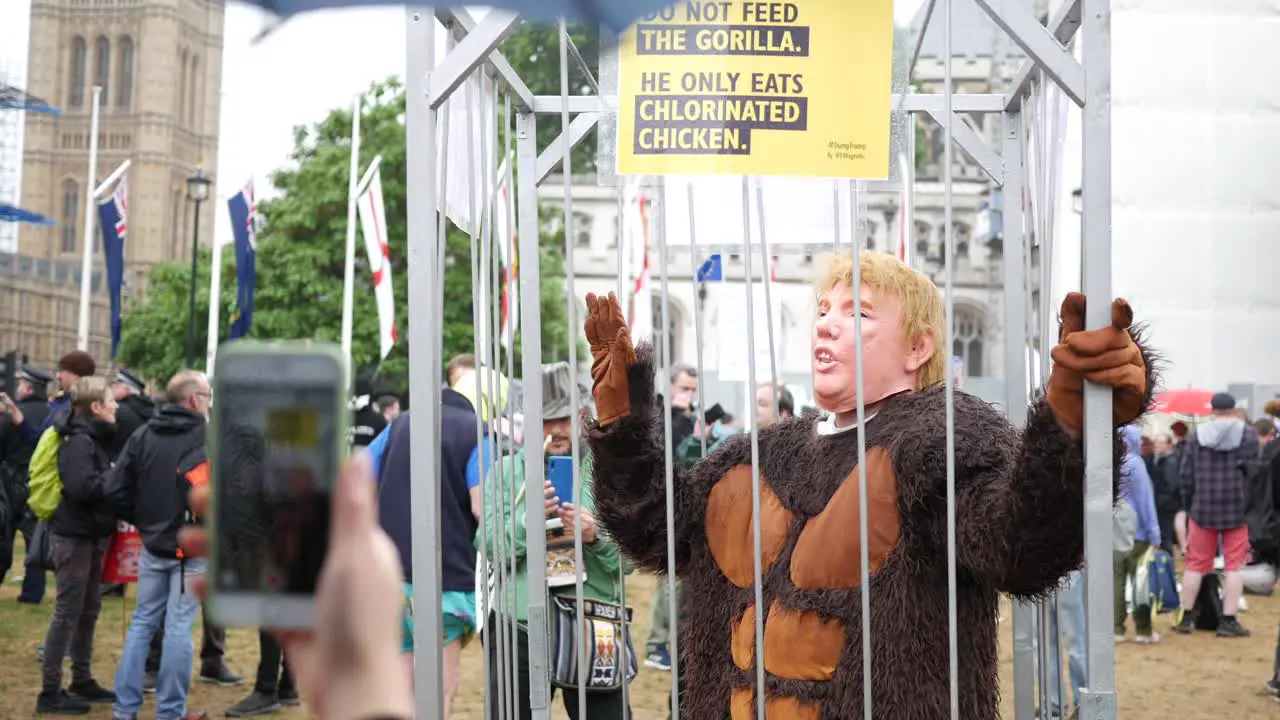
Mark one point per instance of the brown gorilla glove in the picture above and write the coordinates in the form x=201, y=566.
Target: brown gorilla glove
x=611, y=354
x=1108, y=356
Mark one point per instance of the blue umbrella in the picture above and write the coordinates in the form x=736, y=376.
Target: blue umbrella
x=9, y=213
x=614, y=14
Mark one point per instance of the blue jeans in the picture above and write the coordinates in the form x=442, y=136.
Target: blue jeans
x=1071, y=608
x=162, y=600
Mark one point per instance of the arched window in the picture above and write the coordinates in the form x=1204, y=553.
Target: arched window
x=937, y=146
x=967, y=340
x=193, y=88
x=79, y=58
x=124, y=73
x=582, y=229
x=182, y=88
x=924, y=237
x=102, y=66
x=960, y=235
x=671, y=336
x=70, y=215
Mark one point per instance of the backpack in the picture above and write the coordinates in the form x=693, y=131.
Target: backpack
x=1124, y=529
x=45, y=485
x=1208, y=606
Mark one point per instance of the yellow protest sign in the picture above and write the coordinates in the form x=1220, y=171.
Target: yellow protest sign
x=737, y=87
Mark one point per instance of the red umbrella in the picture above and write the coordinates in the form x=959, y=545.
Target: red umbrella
x=1184, y=402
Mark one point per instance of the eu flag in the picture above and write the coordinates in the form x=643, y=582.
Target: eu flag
x=112, y=218
x=242, y=210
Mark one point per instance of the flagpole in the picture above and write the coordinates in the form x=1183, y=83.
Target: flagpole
x=349, y=266
x=90, y=207
x=215, y=297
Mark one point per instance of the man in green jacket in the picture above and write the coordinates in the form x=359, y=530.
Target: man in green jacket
x=503, y=526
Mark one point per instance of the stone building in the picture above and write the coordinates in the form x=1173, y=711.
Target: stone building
x=159, y=65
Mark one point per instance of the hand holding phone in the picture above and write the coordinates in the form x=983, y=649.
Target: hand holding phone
x=560, y=475
x=276, y=439
x=358, y=604
x=550, y=503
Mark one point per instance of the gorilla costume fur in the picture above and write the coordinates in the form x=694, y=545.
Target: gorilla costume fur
x=1019, y=520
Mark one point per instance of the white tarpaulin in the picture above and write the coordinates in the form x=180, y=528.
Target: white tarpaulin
x=731, y=323
x=796, y=210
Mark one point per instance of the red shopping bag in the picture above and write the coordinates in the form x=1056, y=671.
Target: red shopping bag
x=120, y=564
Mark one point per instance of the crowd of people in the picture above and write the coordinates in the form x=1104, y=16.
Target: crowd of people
x=118, y=455
x=1203, y=491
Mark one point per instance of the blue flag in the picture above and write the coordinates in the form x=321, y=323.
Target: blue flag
x=242, y=210
x=112, y=217
x=711, y=271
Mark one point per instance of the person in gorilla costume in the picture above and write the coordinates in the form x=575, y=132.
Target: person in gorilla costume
x=1019, y=505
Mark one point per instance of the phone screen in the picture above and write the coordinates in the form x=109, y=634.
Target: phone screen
x=560, y=475
x=276, y=462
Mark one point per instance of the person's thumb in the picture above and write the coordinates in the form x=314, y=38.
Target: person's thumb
x=353, y=503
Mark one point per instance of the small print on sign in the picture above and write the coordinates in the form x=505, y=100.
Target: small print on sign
x=737, y=87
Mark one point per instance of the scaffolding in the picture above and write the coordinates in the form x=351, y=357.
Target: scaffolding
x=10, y=154
x=475, y=49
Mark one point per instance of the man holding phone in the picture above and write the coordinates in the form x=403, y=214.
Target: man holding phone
x=600, y=558
x=683, y=391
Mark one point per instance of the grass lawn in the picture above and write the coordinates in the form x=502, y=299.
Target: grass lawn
x=1197, y=677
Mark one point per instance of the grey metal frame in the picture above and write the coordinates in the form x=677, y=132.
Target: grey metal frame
x=429, y=86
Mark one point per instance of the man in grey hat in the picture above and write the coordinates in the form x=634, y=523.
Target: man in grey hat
x=32, y=401
x=601, y=560
x=1217, y=461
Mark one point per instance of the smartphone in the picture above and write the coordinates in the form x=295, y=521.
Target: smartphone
x=560, y=475
x=277, y=436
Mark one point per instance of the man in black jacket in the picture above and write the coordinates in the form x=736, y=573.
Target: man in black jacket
x=149, y=489
x=78, y=531
x=15, y=455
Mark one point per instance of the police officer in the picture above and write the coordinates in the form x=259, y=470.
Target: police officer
x=366, y=421
x=32, y=402
x=134, y=409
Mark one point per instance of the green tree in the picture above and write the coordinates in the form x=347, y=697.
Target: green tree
x=534, y=51
x=300, y=261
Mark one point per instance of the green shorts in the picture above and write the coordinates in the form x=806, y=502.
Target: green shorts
x=459, y=610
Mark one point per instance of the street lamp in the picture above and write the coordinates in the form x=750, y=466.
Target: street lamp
x=1077, y=201
x=197, y=190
